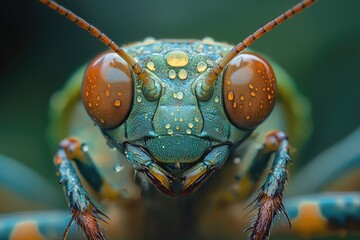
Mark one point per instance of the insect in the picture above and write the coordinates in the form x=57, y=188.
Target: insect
x=157, y=103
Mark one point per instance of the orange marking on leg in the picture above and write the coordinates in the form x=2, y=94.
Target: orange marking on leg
x=26, y=230
x=310, y=220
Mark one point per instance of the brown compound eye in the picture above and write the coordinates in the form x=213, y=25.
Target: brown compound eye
x=107, y=90
x=249, y=90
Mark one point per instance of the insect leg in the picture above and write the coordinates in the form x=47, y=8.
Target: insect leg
x=83, y=211
x=269, y=199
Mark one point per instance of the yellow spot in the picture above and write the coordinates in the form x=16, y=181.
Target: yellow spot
x=98, y=98
x=26, y=230
x=102, y=121
x=177, y=127
x=247, y=117
x=196, y=119
x=107, y=93
x=183, y=74
x=250, y=103
x=201, y=66
x=119, y=94
x=138, y=99
x=217, y=99
x=230, y=95
x=172, y=113
x=172, y=74
x=117, y=103
x=90, y=104
x=175, y=95
x=87, y=93
x=150, y=66
x=251, y=86
x=234, y=105
x=191, y=125
x=188, y=131
x=261, y=106
x=269, y=97
x=167, y=126
x=177, y=58
x=258, y=71
x=253, y=94
x=242, y=98
x=180, y=119
x=228, y=82
x=310, y=220
x=170, y=132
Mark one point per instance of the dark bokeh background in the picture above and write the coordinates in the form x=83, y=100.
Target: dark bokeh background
x=40, y=50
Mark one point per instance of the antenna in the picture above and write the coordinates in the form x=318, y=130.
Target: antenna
x=143, y=75
x=214, y=73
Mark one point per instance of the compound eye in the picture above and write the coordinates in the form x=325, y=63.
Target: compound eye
x=249, y=90
x=107, y=90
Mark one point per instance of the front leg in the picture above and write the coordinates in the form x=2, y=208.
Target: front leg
x=83, y=211
x=269, y=200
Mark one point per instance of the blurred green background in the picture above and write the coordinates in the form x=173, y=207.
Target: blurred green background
x=320, y=48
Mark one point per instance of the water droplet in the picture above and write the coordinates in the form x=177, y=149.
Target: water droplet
x=170, y=132
x=250, y=103
x=196, y=119
x=150, y=66
x=251, y=86
x=118, y=167
x=188, y=131
x=242, y=98
x=234, y=105
x=87, y=93
x=138, y=99
x=107, y=93
x=230, y=95
x=98, y=98
x=175, y=95
x=172, y=74
x=117, y=103
x=237, y=160
x=180, y=95
x=167, y=126
x=217, y=99
x=253, y=94
x=247, y=117
x=102, y=120
x=90, y=104
x=177, y=127
x=201, y=66
x=84, y=147
x=177, y=58
x=183, y=74
x=269, y=97
x=191, y=125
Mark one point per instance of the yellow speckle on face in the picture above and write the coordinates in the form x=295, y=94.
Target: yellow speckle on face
x=201, y=66
x=150, y=66
x=230, y=95
x=172, y=74
x=177, y=58
x=183, y=74
x=117, y=103
x=26, y=230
